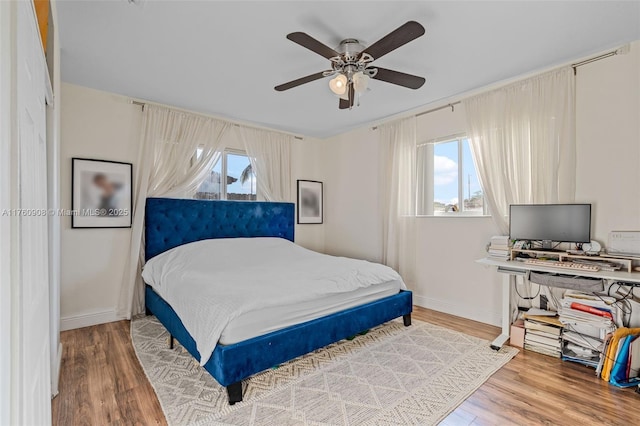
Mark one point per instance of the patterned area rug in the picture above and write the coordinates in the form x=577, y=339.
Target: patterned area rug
x=393, y=375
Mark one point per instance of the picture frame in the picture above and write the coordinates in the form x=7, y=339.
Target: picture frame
x=101, y=193
x=310, y=202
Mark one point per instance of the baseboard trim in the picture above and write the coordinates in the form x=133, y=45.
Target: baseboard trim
x=87, y=320
x=480, y=315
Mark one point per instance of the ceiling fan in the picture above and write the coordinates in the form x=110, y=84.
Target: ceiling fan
x=351, y=63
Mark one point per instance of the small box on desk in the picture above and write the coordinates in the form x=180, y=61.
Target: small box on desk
x=517, y=334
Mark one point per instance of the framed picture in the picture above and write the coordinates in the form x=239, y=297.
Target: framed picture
x=309, y=201
x=101, y=195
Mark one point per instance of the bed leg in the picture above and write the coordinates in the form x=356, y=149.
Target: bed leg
x=170, y=341
x=407, y=320
x=147, y=312
x=234, y=391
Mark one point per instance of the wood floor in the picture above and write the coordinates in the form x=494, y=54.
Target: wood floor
x=102, y=383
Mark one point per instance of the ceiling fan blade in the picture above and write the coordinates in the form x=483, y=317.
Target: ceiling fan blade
x=298, y=82
x=399, y=78
x=396, y=38
x=305, y=40
x=347, y=103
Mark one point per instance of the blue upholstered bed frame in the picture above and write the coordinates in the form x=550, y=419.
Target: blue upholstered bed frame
x=172, y=222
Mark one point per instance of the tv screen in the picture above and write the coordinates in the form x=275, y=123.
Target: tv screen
x=570, y=223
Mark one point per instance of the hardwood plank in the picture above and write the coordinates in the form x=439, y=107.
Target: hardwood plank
x=103, y=383
x=458, y=418
x=537, y=389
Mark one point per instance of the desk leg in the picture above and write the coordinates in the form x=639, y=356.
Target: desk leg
x=507, y=279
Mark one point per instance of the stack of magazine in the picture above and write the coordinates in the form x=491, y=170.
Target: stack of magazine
x=500, y=247
x=587, y=319
x=543, y=334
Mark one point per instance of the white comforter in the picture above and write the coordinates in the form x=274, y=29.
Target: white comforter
x=209, y=283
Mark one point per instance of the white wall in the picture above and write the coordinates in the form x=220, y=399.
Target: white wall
x=608, y=142
x=448, y=279
x=608, y=175
x=608, y=145
x=95, y=125
x=305, y=166
x=352, y=195
x=101, y=125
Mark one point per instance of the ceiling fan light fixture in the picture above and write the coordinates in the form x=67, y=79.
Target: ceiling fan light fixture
x=351, y=62
x=360, y=82
x=338, y=84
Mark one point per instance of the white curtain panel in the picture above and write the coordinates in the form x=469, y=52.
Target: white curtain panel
x=398, y=156
x=270, y=157
x=522, y=138
x=167, y=167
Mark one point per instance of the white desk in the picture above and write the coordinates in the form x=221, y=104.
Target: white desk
x=512, y=268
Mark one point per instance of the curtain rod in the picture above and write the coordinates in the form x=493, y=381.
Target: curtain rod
x=300, y=138
x=449, y=105
x=142, y=104
x=619, y=51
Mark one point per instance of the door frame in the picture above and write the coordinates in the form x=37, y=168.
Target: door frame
x=8, y=20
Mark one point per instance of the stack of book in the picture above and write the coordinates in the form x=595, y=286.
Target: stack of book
x=543, y=334
x=587, y=320
x=500, y=247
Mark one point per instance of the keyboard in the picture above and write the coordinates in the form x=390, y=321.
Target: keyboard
x=563, y=265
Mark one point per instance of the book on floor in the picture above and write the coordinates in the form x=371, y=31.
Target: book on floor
x=535, y=339
x=542, y=333
x=543, y=319
x=542, y=349
x=552, y=330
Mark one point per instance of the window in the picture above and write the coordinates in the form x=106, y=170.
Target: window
x=240, y=182
x=446, y=175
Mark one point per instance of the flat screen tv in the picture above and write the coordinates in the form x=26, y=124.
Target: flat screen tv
x=569, y=223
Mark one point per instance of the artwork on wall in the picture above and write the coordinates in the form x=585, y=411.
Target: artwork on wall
x=309, y=201
x=101, y=195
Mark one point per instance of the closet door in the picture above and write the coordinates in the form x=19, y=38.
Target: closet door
x=32, y=319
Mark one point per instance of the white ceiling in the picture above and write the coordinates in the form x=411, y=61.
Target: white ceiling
x=224, y=58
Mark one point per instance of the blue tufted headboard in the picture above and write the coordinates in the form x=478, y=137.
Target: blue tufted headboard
x=171, y=222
